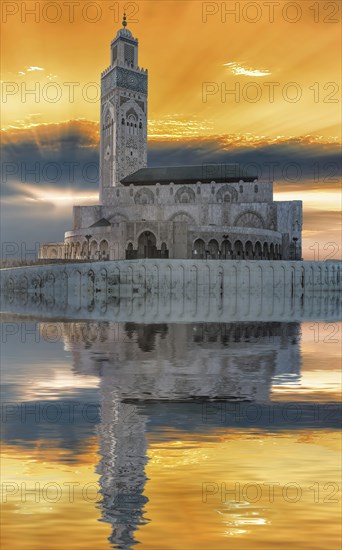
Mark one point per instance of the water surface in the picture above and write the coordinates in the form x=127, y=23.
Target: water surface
x=118, y=430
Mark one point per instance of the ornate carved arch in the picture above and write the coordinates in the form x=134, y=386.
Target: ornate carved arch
x=250, y=218
x=108, y=108
x=131, y=112
x=131, y=107
x=185, y=195
x=227, y=190
x=146, y=229
x=144, y=196
x=182, y=216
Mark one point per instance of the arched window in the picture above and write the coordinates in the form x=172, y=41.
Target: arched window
x=226, y=250
x=147, y=245
x=108, y=125
x=185, y=195
x=249, y=250
x=132, y=124
x=93, y=250
x=84, y=251
x=104, y=250
x=213, y=249
x=271, y=251
x=258, y=251
x=131, y=254
x=199, y=249
x=238, y=250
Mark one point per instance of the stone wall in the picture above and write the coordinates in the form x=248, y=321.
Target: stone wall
x=143, y=277
x=200, y=204
x=240, y=191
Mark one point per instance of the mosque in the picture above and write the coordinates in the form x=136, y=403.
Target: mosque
x=179, y=212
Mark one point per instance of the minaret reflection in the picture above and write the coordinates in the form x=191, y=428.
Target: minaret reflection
x=123, y=450
x=185, y=363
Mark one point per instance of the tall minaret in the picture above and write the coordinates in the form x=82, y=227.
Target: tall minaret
x=123, y=148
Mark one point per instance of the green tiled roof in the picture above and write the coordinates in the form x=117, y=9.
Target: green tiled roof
x=205, y=173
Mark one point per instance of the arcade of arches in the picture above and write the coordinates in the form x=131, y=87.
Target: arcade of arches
x=225, y=250
x=91, y=250
x=212, y=249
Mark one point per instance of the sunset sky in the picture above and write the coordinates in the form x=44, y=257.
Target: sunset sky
x=283, y=63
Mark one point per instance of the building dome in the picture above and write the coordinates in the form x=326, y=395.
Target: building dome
x=124, y=33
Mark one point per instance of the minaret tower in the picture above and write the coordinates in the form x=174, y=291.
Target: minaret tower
x=123, y=124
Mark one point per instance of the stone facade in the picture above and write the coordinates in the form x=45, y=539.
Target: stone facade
x=187, y=212
x=80, y=283
x=199, y=221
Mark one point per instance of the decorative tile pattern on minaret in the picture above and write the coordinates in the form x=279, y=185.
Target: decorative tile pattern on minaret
x=123, y=124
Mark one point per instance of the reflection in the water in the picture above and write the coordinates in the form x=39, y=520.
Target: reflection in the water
x=275, y=305
x=123, y=449
x=182, y=394
x=183, y=362
x=169, y=363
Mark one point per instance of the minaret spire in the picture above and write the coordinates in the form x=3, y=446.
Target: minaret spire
x=124, y=87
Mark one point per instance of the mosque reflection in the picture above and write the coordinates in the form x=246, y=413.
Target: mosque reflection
x=176, y=362
x=147, y=370
x=156, y=370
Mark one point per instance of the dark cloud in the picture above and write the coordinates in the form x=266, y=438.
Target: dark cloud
x=298, y=164
x=65, y=155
